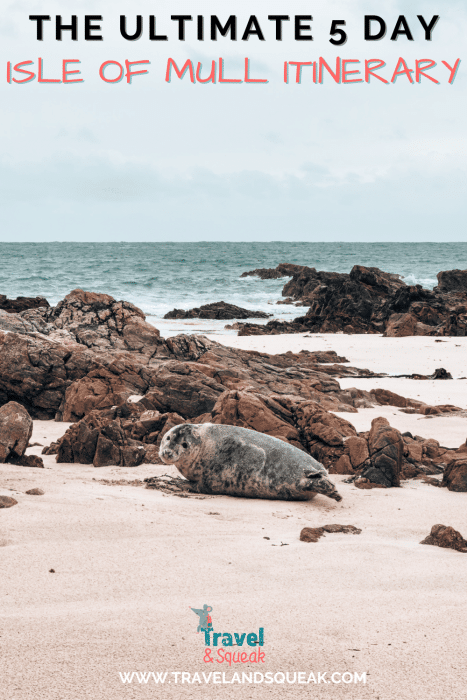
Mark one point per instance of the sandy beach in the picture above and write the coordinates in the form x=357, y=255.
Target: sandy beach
x=128, y=563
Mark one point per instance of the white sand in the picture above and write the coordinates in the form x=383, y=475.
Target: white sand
x=129, y=562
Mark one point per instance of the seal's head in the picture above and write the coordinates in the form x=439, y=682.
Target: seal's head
x=317, y=481
x=180, y=446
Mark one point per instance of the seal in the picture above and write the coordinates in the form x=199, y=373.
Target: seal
x=226, y=459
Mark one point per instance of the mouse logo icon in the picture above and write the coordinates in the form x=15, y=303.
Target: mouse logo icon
x=205, y=619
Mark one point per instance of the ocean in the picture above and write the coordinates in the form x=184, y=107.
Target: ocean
x=158, y=277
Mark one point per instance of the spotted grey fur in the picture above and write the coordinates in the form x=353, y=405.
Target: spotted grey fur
x=226, y=459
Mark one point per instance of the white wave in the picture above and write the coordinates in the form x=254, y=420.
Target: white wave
x=427, y=282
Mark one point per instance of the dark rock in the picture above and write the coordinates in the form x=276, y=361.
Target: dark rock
x=107, y=454
x=343, y=466
x=182, y=388
x=35, y=492
x=15, y=430
x=273, y=327
x=455, y=474
x=151, y=455
x=323, y=434
x=446, y=536
x=452, y=281
x=104, y=386
x=376, y=279
x=441, y=373
x=85, y=444
x=65, y=450
x=358, y=452
x=15, y=306
x=384, y=397
x=218, y=310
x=282, y=270
x=302, y=423
x=132, y=456
x=313, y=534
x=400, y=326
x=36, y=372
x=7, y=502
x=409, y=471
x=104, y=438
x=386, y=449
x=27, y=461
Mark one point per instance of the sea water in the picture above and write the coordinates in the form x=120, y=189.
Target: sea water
x=159, y=277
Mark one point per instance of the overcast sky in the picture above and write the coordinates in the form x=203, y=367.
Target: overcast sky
x=175, y=161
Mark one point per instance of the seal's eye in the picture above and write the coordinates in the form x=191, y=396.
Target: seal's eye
x=184, y=445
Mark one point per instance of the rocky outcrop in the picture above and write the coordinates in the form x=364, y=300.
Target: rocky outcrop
x=219, y=310
x=75, y=363
x=368, y=300
x=352, y=303
x=446, y=536
x=15, y=431
x=15, y=306
x=67, y=380
x=99, y=322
